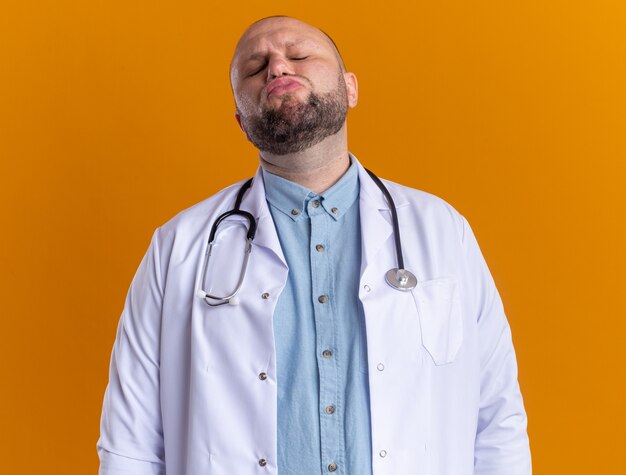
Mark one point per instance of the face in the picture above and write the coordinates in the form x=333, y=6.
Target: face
x=289, y=86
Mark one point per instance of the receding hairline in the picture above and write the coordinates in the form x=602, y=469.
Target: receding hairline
x=326, y=35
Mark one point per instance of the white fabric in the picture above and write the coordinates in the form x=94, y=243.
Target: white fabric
x=185, y=397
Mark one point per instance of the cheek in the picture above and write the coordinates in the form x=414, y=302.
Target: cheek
x=247, y=100
x=324, y=79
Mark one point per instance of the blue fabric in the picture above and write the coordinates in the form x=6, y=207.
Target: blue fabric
x=309, y=437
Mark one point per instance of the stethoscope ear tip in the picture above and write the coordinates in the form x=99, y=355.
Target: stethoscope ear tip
x=234, y=300
x=201, y=294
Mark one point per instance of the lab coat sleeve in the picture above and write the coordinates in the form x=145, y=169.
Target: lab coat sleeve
x=131, y=435
x=501, y=446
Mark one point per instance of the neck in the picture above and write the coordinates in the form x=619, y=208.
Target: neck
x=316, y=168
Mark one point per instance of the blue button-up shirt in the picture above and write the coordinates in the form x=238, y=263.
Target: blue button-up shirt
x=319, y=330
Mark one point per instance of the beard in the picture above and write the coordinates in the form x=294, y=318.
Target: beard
x=295, y=126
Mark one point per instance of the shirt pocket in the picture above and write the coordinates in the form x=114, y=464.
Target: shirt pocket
x=439, y=309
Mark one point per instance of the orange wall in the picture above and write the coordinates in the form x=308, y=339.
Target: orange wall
x=115, y=115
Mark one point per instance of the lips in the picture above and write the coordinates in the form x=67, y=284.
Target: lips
x=281, y=86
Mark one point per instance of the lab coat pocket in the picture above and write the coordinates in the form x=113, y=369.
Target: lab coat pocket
x=439, y=308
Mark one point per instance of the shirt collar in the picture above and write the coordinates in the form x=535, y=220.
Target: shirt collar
x=297, y=201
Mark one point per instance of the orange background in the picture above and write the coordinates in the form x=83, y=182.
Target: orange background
x=116, y=115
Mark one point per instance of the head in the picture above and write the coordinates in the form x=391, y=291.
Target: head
x=290, y=86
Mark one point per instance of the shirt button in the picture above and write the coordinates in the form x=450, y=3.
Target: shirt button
x=332, y=467
x=334, y=210
x=329, y=409
x=322, y=299
x=319, y=248
x=327, y=354
x=265, y=296
x=315, y=204
x=295, y=211
x=262, y=462
x=382, y=453
x=380, y=367
x=263, y=376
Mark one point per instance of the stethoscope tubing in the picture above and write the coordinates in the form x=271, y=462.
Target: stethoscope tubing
x=398, y=278
x=394, y=218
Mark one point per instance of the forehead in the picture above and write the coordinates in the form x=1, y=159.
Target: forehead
x=280, y=33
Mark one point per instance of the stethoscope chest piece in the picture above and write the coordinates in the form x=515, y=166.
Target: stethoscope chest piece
x=401, y=279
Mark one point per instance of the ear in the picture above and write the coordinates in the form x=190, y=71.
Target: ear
x=352, y=86
x=238, y=119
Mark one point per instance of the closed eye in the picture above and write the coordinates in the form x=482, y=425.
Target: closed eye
x=262, y=67
x=257, y=71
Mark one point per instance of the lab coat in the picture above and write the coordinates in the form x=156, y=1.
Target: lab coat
x=186, y=394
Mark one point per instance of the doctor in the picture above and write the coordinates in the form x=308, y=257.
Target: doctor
x=319, y=364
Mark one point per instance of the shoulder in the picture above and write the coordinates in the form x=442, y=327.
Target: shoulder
x=425, y=206
x=197, y=216
x=186, y=232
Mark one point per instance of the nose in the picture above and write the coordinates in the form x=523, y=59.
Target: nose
x=278, y=67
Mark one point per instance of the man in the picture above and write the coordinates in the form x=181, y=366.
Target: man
x=326, y=361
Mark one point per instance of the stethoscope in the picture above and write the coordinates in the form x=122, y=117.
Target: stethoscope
x=398, y=278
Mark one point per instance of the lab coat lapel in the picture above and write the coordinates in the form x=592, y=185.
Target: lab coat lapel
x=376, y=227
x=255, y=202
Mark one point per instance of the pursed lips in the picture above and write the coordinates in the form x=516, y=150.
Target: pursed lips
x=281, y=86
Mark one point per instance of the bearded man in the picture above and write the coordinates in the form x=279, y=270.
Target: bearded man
x=283, y=327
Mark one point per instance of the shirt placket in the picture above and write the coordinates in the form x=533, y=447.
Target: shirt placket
x=330, y=405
